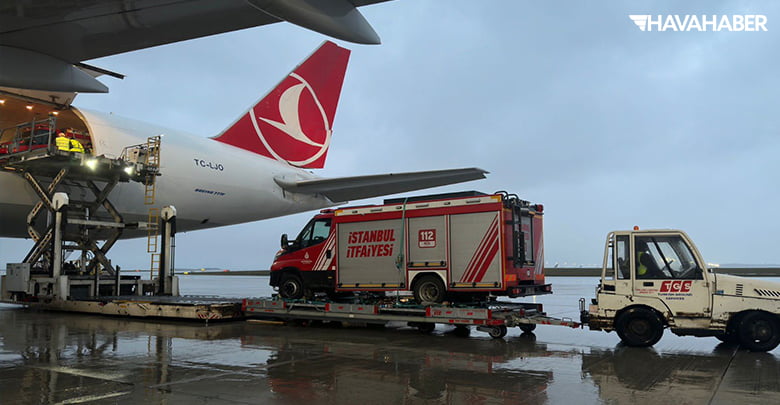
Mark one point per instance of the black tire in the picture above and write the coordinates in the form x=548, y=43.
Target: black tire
x=731, y=335
x=527, y=328
x=759, y=331
x=497, y=332
x=639, y=327
x=425, y=327
x=461, y=331
x=429, y=289
x=291, y=286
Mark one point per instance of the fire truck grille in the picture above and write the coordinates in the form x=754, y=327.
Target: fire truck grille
x=767, y=293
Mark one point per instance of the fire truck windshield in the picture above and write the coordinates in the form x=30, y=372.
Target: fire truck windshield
x=315, y=232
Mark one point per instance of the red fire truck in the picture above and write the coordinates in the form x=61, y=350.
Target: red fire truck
x=449, y=246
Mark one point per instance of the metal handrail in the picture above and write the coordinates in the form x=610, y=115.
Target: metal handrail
x=32, y=138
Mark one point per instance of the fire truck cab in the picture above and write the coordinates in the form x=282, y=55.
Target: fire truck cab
x=455, y=246
x=656, y=279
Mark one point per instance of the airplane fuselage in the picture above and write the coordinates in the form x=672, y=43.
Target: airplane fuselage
x=210, y=183
x=253, y=170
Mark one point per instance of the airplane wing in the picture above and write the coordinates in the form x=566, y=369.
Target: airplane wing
x=41, y=41
x=343, y=189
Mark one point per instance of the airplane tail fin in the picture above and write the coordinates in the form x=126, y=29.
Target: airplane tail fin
x=293, y=122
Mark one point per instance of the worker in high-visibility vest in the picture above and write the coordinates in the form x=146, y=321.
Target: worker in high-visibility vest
x=76, y=146
x=62, y=142
x=641, y=270
x=645, y=264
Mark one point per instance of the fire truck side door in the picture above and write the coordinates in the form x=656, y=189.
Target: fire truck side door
x=428, y=242
x=475, y=246
x=308, y=245
x=665, y=268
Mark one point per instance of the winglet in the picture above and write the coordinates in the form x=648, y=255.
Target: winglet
x=293, y=123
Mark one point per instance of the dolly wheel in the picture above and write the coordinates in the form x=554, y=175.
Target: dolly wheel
x=497, y=332
x=426, y=327
x=527, y=327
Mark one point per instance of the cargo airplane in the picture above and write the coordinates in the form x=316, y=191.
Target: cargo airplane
x=257, y=168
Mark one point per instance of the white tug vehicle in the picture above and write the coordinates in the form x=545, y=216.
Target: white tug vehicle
x=657, y=279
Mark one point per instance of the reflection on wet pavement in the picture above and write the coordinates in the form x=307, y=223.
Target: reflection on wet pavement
x=50, y=358
x=68, y=358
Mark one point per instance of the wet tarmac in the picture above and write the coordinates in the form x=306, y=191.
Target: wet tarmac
x=58, y=358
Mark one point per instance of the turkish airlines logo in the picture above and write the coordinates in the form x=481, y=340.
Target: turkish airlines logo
x=302, y=134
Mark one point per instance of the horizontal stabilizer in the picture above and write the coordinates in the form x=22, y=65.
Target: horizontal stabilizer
x=358, y=187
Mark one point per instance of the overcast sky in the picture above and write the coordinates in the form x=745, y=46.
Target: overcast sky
x=566, y=103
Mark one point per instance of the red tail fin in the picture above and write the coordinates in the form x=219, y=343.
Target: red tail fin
x=293, y=122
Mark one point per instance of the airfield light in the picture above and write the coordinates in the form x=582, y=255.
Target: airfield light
x=91, y=163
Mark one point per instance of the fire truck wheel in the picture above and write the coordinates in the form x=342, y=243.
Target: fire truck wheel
x=497, y=332
x=527, y=328
x=429, y=288
x=759, y=332
x=639, y=327
x=291, y=287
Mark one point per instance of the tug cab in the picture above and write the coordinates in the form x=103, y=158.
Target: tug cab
x=657, y=279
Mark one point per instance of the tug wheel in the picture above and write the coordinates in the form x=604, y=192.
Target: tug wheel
x=639, y=327
x=759, y=332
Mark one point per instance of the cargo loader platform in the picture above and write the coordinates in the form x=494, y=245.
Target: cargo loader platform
x=194, y=308
x=75, y=214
